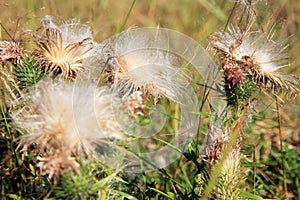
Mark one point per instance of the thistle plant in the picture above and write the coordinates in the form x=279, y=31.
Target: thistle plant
x=250, y=62
x=254, y=55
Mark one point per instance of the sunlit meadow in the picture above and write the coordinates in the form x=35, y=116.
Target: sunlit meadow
x=78, y=107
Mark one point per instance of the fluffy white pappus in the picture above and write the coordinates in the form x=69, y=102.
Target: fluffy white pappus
x=64, y=48
x=140, y=47
x=268, y=54
x=72, y=30
x=68, y=116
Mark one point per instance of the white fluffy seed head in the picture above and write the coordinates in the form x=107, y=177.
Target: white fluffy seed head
x=68, y=116
x=156, y=80
x=266, y=53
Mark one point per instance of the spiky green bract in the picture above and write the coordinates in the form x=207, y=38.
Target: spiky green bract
x=27, y=73
x=241, y=93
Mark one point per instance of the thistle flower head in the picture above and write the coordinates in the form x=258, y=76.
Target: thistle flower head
x=67, y=119
x=257, y=56
x=140, y=60
x=63, y=49
x=10, y=51
x=234, y=75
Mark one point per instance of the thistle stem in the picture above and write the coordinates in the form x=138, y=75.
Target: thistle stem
x=93, y=15
x=281, y=149
x=254, y=169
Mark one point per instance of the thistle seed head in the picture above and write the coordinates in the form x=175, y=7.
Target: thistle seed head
x=65, y=120
x=63, y=49
x=257, y=56
x=136, y=62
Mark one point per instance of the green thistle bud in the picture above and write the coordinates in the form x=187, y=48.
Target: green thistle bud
x=27, y=73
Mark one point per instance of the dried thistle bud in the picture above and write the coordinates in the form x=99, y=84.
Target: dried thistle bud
x=135, y=104
x=215, y=143
x=10, y=51
x=234, y=75
x=63, y=48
